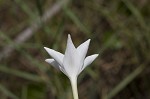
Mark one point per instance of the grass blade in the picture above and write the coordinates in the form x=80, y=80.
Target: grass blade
x=7, y=92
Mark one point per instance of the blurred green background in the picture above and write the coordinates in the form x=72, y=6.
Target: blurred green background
x=120, y=32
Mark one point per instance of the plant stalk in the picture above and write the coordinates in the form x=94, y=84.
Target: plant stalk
x=74, y=88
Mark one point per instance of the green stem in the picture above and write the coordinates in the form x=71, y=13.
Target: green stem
x=74, y=88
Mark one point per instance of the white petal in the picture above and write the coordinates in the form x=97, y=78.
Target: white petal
x=63, y=70
x=56, y=55
x=56, y=65
x=70, y=61
x=82, y=49
x=53, y=63
x=88, y=60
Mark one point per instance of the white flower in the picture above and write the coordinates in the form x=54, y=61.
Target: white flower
x=73, y=62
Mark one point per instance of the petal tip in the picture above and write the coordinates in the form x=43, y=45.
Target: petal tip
x=45, y=48
x=88, y=41
x=49, y=60
x=96, y=55
x=69, y=36
x=48, y=49
x=46, y=60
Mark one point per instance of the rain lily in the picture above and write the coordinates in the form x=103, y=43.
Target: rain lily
x=73, y=62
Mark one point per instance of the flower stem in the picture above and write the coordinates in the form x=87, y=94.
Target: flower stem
x=74, y=88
